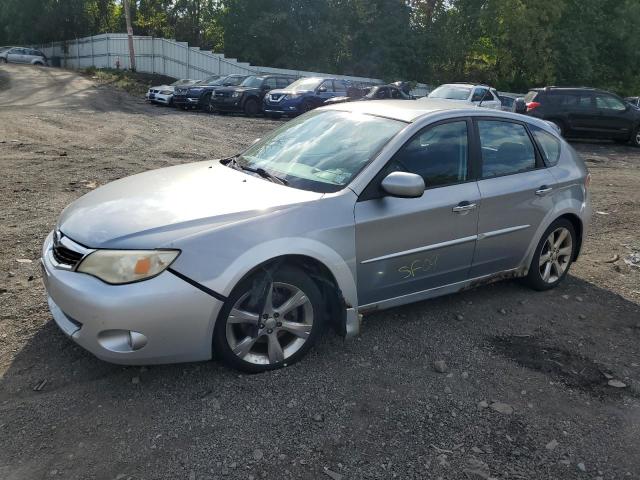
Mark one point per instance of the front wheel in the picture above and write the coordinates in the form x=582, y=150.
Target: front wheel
x=553, y=256
x=635, y=138
x=269, y=321
x=251, y=107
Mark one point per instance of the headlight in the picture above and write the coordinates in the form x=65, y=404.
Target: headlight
x=166, y=92
x=126, y=266
x=291, y=96
x=236, y=94
x=195, y=90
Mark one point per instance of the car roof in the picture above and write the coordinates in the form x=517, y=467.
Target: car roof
x=406, y=111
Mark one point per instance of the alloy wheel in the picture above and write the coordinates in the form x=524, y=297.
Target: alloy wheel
x=273, y=333
x=555, y=255
x=638, y=137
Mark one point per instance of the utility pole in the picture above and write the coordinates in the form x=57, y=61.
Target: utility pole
x=132, y=54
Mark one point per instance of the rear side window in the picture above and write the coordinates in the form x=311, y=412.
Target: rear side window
x=529, y=97
x=282, y=82
x=340, y=85
x=549, y=145
x=506, y=148
x=438, y=154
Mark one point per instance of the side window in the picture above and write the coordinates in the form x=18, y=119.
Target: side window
x=479, y=93
x=282, y=82
x=506, y=148
x=583, y=101
x=607, y=102
x=549, y=145
x=439, y=154
x=340, y=85
x=328, y=84
x=269, y=83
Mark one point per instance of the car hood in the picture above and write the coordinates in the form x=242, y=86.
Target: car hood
x=156, y=208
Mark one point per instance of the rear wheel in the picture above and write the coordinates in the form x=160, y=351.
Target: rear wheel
x=553, y=256
x=3, y=60
x=306, y=106
x=269, y=321
x=251, y=107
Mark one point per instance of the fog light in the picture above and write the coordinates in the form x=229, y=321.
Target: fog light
x=121, y=340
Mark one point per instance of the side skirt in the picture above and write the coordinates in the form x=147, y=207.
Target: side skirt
x=443, y=290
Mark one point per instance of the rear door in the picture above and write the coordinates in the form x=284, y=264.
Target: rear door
x=516, y=193
x=614, y=118
x=325, y=91
x=408, y=245
x=16, y=55
x=582, y=115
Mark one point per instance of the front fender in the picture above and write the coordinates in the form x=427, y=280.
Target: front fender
x=272, y=249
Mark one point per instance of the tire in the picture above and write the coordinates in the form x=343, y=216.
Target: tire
x=251, y=107
x=558, y=245
x=635, y=138
x=253, y=343
x=204, y=102
x=306, y=106
x=3, y=60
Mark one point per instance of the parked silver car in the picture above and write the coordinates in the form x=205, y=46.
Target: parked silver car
x=22, y=55
x=345, y=210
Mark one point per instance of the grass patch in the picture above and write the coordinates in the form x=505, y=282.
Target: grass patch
x=135, y=83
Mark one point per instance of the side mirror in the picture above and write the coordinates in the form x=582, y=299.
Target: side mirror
x=403, y=184
x=322, y=89
x=521, y=106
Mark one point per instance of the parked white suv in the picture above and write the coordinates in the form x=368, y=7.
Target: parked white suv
x=22, y=55
x=478, y=95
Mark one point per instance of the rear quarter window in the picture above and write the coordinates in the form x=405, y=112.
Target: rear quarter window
x=549, y=145
x=529, y=97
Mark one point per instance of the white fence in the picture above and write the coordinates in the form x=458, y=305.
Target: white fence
x=167, y=57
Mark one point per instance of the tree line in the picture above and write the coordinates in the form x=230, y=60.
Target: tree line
x=511, y=44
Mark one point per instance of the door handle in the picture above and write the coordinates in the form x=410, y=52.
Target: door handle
x=464, y=207
x=543, y=190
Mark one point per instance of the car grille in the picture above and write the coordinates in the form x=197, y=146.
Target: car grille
x=64, y=255
x=181, y=91
x=276, y=97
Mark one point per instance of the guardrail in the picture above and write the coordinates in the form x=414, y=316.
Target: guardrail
x=169, y=57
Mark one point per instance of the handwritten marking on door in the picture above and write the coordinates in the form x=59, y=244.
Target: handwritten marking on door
x=419, y=266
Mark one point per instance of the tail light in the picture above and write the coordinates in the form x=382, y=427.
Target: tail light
x=532, y=106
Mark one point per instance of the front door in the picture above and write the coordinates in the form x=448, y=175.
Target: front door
x=613, y=116
x=407, y=245
x=516, y=193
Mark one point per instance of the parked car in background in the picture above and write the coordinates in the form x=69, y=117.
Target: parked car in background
x=351, y=208
x=377, y=92
x=248, y=96
x=469, y=93
x=163, y=94
x=22, y=55
x=586, y=112
x=508, y=103
x=635, y=101
x=199, y=94
x=303, y=95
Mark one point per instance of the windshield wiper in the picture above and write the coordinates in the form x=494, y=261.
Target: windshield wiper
x=233, y=163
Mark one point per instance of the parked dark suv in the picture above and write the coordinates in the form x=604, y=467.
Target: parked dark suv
x=199, y=94
x=586, y=112
x=247, y=97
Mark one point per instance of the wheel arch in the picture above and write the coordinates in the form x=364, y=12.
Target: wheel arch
x=578, y=227
x=320, y=274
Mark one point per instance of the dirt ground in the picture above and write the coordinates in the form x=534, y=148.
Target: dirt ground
x=525, y=394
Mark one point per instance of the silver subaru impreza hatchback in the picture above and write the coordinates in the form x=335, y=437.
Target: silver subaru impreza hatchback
x=345, y=210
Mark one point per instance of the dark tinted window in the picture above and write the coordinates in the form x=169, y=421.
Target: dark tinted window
x=340, y=85
x=549, y=145
x=506, y=148
x=438, y=154
x=480, y=93
x=269, y=83
x=282, y=82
